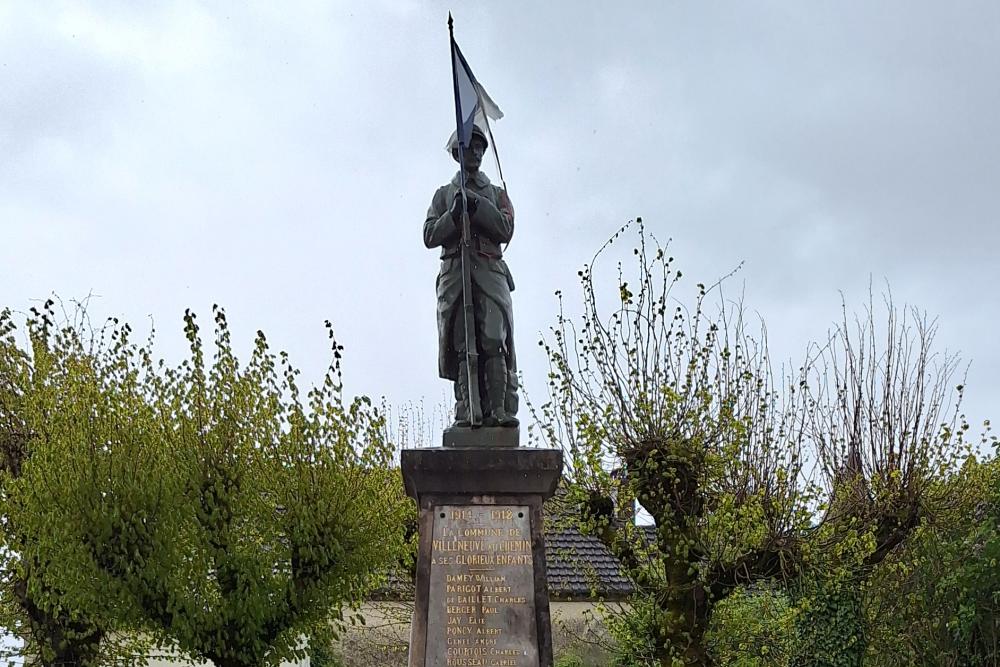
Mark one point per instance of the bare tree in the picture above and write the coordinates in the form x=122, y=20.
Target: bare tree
x=884, y=418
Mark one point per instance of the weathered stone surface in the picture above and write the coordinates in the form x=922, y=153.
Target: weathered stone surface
x=482, y=471
x=480, y=482
x=481, y=607
x=485, y=436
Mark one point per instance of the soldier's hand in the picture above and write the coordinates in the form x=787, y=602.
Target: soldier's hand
x=473, y=203
x=456, y=208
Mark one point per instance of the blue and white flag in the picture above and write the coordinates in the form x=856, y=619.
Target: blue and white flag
x=473, y=105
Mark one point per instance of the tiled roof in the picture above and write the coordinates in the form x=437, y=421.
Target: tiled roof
x=580, y=566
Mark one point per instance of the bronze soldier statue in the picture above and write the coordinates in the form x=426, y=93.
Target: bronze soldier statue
x=491, y=223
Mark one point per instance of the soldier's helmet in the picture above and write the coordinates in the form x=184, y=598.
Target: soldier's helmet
x=476, y=132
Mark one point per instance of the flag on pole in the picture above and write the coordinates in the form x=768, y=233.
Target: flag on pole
x=473, y=105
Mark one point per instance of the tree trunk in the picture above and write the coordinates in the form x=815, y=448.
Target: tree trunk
x=56, y=640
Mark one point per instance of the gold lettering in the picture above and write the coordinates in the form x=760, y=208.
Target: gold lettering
x=481, y=573
x=482, y=532
x=502, y=515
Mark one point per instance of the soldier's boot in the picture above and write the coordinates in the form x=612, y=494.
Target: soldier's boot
x=462, y=396
x=511, y=403
x=496, y=393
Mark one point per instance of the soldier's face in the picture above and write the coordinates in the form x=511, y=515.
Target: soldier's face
x=473, y=155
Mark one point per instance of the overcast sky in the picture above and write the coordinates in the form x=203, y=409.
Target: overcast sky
x=278, y=158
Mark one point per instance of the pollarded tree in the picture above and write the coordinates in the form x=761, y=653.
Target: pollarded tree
x=883, y=416
x=679, y=410
x=884, y=424
x=212, y=504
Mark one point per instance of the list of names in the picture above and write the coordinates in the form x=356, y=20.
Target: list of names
x=481, y=605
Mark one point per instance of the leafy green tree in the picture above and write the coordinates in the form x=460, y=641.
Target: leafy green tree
x=677, y=409
x=938, y=599
x=211, y=504
x=52, y=634
x=754, y=628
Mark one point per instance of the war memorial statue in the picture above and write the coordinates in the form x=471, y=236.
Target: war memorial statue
x=477, y=355
x=481, y=592
x=481, y=595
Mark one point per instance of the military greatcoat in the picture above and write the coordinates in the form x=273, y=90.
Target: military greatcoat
x=491, y=225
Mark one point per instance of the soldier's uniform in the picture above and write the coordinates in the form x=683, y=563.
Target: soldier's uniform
x=491, y=225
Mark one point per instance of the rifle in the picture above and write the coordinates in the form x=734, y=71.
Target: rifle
x=469, y=313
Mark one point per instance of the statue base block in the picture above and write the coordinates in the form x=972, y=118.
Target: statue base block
x=484, y=436
x=481, y=586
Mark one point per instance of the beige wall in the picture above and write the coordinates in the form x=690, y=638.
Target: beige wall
x=577, y=629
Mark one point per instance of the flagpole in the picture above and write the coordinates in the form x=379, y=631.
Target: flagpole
x=468, y=306
x=458, y=112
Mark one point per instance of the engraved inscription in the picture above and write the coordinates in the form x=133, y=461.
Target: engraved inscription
x=481, y=609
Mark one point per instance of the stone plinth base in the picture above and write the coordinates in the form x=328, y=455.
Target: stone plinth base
x=484, y=436
x=481, y=589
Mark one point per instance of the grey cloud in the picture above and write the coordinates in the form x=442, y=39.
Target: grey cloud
x=279, y=161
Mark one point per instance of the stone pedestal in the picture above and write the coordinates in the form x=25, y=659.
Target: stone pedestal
x=481, y=592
